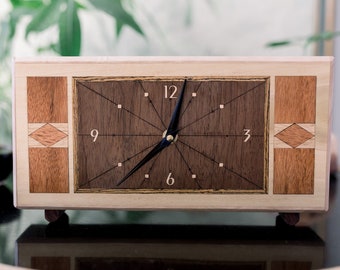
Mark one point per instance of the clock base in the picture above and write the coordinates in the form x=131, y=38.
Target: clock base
x=58, y=218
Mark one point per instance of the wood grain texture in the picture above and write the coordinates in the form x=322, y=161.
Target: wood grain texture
x=210, y=154
x=295, y=108
x=48, y=170
x=272, y=67
x=48, y=135
x=294, y=135
x=294, y=171
x=295, y=99
x=57, y=137
x=47, y=99
x=47, y=103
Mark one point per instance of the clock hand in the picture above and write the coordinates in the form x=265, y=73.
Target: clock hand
x=165, y=142
x=173, y=126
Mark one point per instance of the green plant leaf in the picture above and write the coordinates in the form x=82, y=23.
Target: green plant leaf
x=46, y=16
x=279, y=43
x=115, y=9
x=26, y=3
x=69, y=31
x=119, y=27
x=327, y=35
x=50, y=47
x=16, y=15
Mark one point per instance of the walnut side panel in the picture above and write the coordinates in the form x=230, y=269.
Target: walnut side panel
x=47, y=99
x=294, y=171
x=294, y=152
x=48, y=170
x=47, y=123
x=295, y=99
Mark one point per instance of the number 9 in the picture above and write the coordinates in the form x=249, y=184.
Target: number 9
x=94, y=134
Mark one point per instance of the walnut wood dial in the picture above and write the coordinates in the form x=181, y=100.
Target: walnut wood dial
x=219, y=145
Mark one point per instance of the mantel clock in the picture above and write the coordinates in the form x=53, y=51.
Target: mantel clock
x=208, y=133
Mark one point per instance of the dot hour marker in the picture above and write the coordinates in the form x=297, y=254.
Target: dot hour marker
x=146, y=94
x=119, y=164
x=146, y=176
x=220, y=164
x=193, y=176
x=221, y=106
x=194, y=94
x=119, y=106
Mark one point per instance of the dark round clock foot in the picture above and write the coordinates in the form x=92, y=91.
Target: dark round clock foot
x=287, y=219
x=60, y=226
x=53, y=215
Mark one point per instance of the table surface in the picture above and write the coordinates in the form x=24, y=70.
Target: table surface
x=169, y=240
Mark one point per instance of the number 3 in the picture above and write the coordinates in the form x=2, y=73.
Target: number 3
x=247, y=134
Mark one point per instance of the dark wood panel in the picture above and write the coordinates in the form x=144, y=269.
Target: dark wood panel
x=210, y=154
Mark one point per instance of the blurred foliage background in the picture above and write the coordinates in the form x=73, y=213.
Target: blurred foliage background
x=39, y=16
x=66, y=27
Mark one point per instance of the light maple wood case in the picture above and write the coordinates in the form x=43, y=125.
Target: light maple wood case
x=297, y=170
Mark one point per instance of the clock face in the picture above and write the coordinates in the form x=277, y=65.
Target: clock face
x=126, y=139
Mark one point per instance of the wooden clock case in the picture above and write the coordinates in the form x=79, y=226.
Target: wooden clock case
x=296, y=160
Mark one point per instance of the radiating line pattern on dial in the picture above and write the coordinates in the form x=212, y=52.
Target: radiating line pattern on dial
x=220, y=144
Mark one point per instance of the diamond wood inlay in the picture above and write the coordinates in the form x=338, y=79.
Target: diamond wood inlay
x=48, y=135
x=294, y=135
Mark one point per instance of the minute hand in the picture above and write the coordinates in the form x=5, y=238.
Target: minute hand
x=157, y=149
x=165, y=142
x=173, y=126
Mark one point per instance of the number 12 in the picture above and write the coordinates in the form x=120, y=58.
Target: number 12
x=170, y=91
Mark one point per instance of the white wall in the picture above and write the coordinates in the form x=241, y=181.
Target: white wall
x=193, y=27
x=203, y=27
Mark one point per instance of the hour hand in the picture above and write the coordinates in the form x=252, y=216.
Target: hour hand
x=173, y=126
x=157, y=149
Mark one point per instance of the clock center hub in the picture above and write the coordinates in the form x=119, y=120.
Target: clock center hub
x=170, y=138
